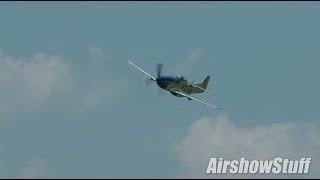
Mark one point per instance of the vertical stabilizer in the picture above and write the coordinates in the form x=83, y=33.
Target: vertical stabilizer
x=204, y=83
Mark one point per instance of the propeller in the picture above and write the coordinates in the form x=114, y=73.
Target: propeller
x=159, y=69
x=148, y=80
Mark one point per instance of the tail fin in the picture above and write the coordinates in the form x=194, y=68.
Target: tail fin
x=204, y=83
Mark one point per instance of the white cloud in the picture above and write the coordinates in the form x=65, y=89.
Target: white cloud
x=36, y=168
x=220, y=137
x=26, y=84
x=101, y=83
x=29, y=84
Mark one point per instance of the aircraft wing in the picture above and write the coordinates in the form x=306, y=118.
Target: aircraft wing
x=142, y=71
x=185, y=95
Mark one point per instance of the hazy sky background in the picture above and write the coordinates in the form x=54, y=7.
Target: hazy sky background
x=72, y=107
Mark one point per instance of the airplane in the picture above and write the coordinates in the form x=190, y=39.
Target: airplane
x=178, y=86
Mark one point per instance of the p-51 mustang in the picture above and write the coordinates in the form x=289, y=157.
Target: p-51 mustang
x=178, y=86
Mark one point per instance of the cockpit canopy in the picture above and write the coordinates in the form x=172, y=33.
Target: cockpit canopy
x=181, y=78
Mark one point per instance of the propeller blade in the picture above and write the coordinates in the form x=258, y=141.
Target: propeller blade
x=159, y=69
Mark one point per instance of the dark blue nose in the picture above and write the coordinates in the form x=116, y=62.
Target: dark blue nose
x=162, y=83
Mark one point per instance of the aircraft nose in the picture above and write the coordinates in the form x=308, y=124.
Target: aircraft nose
x=161, y=83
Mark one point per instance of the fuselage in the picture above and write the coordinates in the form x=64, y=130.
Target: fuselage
x=178, y=83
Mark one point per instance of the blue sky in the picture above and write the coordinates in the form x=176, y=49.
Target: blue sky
x=73, y=107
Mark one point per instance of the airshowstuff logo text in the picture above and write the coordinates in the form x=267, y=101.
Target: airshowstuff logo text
x=276, y=166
